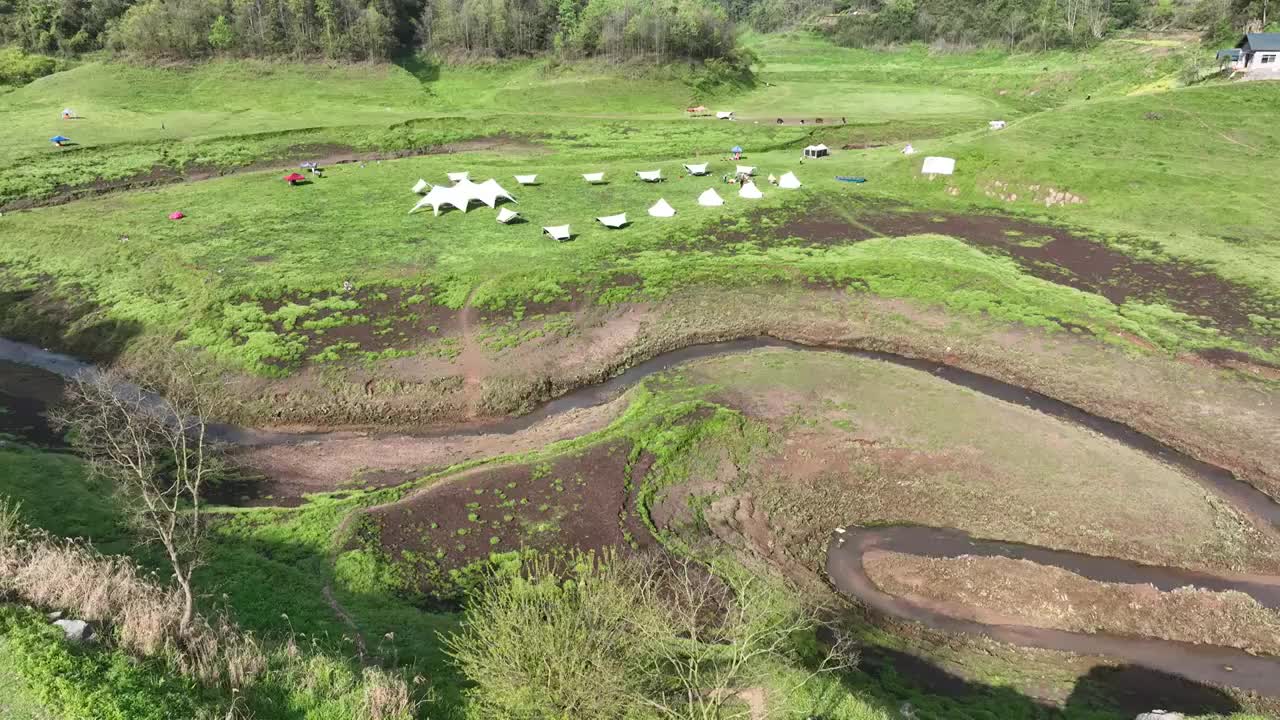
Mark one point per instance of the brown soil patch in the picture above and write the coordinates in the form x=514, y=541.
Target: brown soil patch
x=1241, y=362
x=1067, y=258
x=1004, y=591
x=385, y=318
x=578, y=501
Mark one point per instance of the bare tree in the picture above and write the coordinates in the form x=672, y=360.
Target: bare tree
x=150, y=438
x=714, y=635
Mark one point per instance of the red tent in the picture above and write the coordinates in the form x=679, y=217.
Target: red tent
x=176, y=215
x=292, y=178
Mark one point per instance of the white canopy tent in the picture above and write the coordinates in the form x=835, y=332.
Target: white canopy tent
x=506, y=215
x=420, y=186
x=817, y=151
x=457, y=177
x=789, y=181
x=662, y=209
x=750, y=191
x=745, y=170
x=697, y=169
x=649, y=175
x=938, y=166
x=462, y=194
x=613, y=221
x=527, y=179
x=724, y=115
x=559, y=232
x=710, y=198
x=593, y=178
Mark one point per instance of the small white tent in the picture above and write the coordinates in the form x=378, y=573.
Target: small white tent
x=457, y=177
x=697, y=169
x=745, y=170
x=750, y=191
x=593, y=178
x=908, y=150
x=724, y=115
x=817, y=151
x=789, y=181
x=527, y=179
x=649, y=175
x=710, y=198
x=559, y=232
x=938, y=166
x=420, y=186
x=662, y=208
x=997, y=124
x=506, y=215
x=613, y=221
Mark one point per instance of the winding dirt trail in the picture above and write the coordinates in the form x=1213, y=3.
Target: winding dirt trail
x=587, y=407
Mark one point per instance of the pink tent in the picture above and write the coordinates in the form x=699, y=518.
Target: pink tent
x=176, y=215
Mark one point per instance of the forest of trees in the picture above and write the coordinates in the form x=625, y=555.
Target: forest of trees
x=373, y=29
x=657, y=30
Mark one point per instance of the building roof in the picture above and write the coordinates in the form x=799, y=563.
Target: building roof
x=1253, y=42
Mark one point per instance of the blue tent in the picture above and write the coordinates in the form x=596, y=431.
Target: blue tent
x=736, y=149
x=56, y=139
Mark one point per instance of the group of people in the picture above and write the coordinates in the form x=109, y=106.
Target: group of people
x=816, y=121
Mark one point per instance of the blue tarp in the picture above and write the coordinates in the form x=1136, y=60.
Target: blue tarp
x=846, y=178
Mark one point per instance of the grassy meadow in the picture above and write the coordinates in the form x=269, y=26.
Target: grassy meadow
x=1168, y=189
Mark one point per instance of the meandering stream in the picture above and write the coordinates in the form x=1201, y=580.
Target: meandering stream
x=1204, y=663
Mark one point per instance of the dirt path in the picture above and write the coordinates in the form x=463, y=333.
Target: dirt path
x=349, y=621
x=475, y=366
x=1221, y=666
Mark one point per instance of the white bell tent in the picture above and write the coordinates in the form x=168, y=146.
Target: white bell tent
x=697, y=169
x=527, y=179
x=745, y=170
x=649, y=175
x=750, y=191
x=506, y=215
x=710, y=198
x=593, y=178
x=662, y=209
x=789, y=181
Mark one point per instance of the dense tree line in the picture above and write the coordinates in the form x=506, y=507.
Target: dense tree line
x=370, y=29
x=1033, y=24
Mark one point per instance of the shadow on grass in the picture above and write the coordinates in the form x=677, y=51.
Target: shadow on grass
x=59, y=321
x=909, y=686
x=424, y=70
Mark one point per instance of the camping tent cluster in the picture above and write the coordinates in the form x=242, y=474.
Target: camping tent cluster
x=461, y=194
x=464, y=191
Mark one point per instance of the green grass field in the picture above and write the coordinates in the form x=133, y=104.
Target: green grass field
x=1172, y=191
